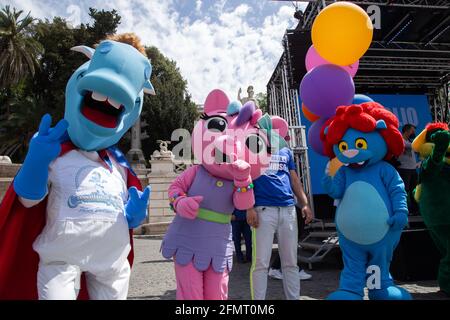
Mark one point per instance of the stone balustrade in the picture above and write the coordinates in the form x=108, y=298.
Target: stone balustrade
x=7, y=173
x=160, y=178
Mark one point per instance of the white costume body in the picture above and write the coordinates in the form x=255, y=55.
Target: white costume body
x=86, y=229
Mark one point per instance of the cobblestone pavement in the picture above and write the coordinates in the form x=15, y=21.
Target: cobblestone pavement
x=153, y=277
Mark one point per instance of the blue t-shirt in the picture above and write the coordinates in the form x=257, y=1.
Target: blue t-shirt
x=273, y=188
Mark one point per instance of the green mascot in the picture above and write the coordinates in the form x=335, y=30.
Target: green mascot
x=433, y=192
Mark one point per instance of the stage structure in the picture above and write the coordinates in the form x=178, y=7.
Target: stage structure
x=283, y=101
x=410, y=54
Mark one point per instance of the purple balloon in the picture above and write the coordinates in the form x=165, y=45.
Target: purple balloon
x=314, y=141
x=325, y=88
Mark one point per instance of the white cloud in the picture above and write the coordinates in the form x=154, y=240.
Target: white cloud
x=224, y=52
x=28, y=5
x=198, y=5
x=227, y=53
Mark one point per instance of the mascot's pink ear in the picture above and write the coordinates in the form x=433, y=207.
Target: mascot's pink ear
x=216, y=101
x=281, y=125
x=256, y=116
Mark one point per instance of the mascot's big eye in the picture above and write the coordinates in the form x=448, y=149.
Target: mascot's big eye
x=361, y=143
x=217, y=124
x=343, y=146
x=105, y=47
x=255, y=143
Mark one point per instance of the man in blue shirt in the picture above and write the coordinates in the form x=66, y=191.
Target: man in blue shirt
x=274, y=213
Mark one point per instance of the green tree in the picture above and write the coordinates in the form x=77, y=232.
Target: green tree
x=45, y=91
x=171, y=108
x=17, y=130
x=105, y=23
x=58, y=61
x=262, y=102
x=19, y=51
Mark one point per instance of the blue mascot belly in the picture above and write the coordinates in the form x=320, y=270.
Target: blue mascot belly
x=362, y=214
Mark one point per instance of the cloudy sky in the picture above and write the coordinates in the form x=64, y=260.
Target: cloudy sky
x=223, y=44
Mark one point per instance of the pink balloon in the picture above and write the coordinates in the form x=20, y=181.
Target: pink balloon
x=313, y=59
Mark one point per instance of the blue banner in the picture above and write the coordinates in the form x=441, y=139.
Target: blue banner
x=413, y=109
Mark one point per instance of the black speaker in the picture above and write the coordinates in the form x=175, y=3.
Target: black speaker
x=416, y=257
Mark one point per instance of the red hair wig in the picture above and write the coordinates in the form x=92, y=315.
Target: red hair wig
x=436, y=126
x=433, y=127
x=363, y=117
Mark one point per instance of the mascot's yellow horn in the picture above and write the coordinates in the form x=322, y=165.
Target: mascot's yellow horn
x=419, y=140
x=417, y=192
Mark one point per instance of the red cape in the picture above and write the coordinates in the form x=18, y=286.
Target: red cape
x=19, y=227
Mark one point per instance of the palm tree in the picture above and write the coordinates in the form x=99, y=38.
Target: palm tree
x=19, y=51
x=18, y=127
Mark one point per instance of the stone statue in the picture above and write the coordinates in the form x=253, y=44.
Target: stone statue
x=162, y=160
x=5, y=160
x=164, y=153
x=135, y=155
x=136, y=135
x=250, y=96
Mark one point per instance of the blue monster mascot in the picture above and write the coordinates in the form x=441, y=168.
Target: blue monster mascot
x=66, y=220
x=372, y=208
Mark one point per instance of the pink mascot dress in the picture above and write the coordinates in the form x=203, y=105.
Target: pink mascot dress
x=233, y=144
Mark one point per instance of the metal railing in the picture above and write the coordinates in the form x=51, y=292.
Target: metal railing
x=284, y=102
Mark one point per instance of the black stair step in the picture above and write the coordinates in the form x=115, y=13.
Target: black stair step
x=323, y=234
x=315, y=246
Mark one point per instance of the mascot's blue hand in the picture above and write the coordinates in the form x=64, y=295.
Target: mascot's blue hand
x=398, y=221
x=45, y=146
x=136, y=207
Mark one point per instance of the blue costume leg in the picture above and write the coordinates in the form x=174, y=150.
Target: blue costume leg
x=353, y=276
x=381, y=256
x=236, y=227
x=247, y=232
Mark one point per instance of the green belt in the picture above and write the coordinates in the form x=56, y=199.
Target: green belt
x=213, y=216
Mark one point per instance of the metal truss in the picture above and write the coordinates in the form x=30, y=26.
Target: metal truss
x=414, y=62
x=284, y=102
x=416, y=47
x=424, y=4
x=310, y=14
x=405, y=63
x=440, y=103
x=397, y=81
x=315, y=6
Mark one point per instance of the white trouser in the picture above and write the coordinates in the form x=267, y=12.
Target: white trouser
x=283, y=222
x=61, y=281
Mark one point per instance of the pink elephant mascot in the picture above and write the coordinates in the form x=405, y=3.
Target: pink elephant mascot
x=233, y=144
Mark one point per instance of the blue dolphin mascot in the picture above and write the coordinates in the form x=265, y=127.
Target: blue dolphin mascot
x=67, y=218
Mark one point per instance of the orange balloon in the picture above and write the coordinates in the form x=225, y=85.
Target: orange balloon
x=342, y=33
x=308, y=114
